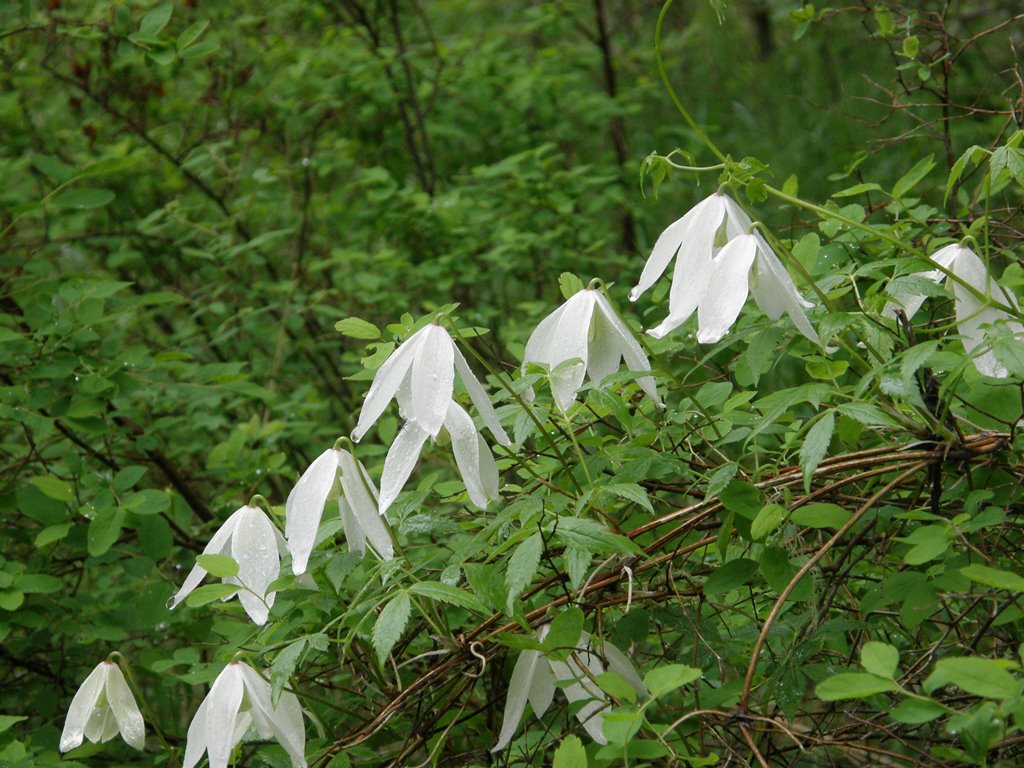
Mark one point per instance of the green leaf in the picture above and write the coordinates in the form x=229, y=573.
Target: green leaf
x=727, y=577
x=570, y=753
x=52, y=533
x=284, y=664
x=564, y=633
x=615, y=685
x=11, y=599
x=973, y=154
x=390, y=624
x=631, y=492
x=820, y=515
x=1008, y=158
x=127, y=477
x=981, y=677
x=621, y=724
x=147, y=502
x=815, y=446
x=104, y=530
x=916, y=174
x=446, y=593
x=221, y=566
x=191, y=34
x=853, y=685
x=357, y=328
x=6, y=721
x=39, y=584
x=993, y=577
x=916, y=711
x=155, y=20
x=522, y=567
x=594, y=537
x=54, y=487
x=880, y=659
x=208, y=593
x=743, y=498
x=767, y=520
x=668, y=677
x=569, y=284
x=84, y=199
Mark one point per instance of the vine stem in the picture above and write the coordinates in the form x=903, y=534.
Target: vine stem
x=784, y=595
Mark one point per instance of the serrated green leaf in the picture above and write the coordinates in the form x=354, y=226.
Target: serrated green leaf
x=357, y=328
x=569, y=284
x=593, y=537
x=522, y=567
x=853, y=685
x=815, y=446
x=570, y=754
x=971, y=155
x=221, y=566
x=390, y=625
x=916, y=174
x=446, y=593
x=631, y=492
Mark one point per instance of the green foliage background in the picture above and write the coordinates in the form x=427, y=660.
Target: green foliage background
x=194, y=194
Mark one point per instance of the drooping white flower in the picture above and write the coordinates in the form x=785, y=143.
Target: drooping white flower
x=973, y=316
x=472, y=457
x=533, y=680
x=240, y=701
x=585, y=328
x=256, y=545
x=102, y=707
x=334, y=473
x=718, y=262
x=421, y=375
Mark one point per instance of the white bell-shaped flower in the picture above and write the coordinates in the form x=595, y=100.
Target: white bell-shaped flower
x=973, y=315
x=335, y=473
x=256, y=545
x=718, y=262
x=421, y=375
x=533, y=681
x=102, y=707
x=239, y=701
x=585, y=328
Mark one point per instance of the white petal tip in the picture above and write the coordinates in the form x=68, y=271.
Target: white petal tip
x=634, y=294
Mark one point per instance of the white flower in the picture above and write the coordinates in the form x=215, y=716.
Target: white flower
x=472, y=457
x=973, y=315
x=334, y=473
x=598, y=339
x=533, y=681
x=102, y=707
x=718, y=261
x=256, y=545
x=421, y=374
x=238, y=701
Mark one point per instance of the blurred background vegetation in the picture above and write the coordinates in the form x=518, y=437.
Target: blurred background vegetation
x=194, y=193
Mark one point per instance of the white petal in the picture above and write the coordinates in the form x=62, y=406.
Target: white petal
x=480, y=477
x=570, y=343
x=222, y=705
x=81, y=708
x=518, y=694
x=432, y=379
x=737, y=222
x=255, y=549
x=479, y=398
x=542, y=689
x=386, y=382
x=604, y=352
x=361, y=500
x=305, y=507
x=619, y=663
x=195, y=743
x=692, y=274
x=398, y=464
x=911, y=303
x=283, y=722
x=610, y=323
x=775, y=292
x=666, y=326
x=126, y=711
x=973, y=317
x=539, y=343
x=218, y=545
x=583, y=689
x=729, y=287
x=353, y=531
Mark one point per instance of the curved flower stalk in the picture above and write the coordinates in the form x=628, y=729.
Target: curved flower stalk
x=256, y=545
x=102, y=707
x=335, y=473
x=239, y=701
x=420, y=374
x=533, y=681
x=713, y=277
x=973, y=316
x=588, y=329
